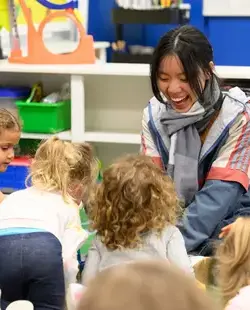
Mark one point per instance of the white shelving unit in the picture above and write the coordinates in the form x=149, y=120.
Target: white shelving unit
x=107, y=100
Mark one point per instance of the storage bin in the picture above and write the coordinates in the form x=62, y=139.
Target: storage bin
x=14, y=177
x=9, y=95
x=44, y=117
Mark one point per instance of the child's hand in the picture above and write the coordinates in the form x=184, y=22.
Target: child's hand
x=225, y=230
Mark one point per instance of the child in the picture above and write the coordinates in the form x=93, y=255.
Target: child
x=134, y=211
x=234, y=266
x=142, y=286
x=40, y=226
x=10, y=132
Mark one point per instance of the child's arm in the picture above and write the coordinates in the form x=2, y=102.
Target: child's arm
x=91, y=267
x=73, y=238
x=176, y=251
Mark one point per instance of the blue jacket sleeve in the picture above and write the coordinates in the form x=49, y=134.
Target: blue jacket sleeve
x=211, y=205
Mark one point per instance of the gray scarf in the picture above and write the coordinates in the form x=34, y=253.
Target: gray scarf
x=185, y=143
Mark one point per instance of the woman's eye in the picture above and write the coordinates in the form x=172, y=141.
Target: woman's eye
x=164, y=79
x=183, y=79
x=4, y=148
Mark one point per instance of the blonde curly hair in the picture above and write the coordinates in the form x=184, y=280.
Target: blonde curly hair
x=134, y=198
x=62, y=166
x=233, y=257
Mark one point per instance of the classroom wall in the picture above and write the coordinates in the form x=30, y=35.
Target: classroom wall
x=229, y=36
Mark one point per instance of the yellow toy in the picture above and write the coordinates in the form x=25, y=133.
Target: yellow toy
x=4, y=15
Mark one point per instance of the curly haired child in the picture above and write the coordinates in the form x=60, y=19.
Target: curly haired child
x=134, y=212
x=40, y=229
x=234, y=266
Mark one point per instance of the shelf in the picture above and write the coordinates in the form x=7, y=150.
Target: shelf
x=116, y=69
x=152, y=16
x=109, y=137
x=95, y=69
x=64, y=135
x=104, y=137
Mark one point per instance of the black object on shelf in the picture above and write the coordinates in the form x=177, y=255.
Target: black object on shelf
x=153, y=16
x=120, y=57
x=121, y=16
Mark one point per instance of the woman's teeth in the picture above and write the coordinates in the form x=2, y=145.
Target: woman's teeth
x=177, y=100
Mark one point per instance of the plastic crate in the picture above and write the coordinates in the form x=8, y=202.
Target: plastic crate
x=14, y=177
x=9, y=95
x=44, y=117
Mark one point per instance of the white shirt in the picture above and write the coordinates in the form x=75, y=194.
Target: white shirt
x=168, y=246
x=34, y=208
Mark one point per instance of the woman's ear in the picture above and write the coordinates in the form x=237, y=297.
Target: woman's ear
x=208, y=74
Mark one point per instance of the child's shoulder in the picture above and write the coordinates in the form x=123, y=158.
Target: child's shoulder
x=171, y=230
x=32, y=195
x=16, y=195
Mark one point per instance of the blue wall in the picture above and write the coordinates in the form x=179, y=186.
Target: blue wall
x=229, y=36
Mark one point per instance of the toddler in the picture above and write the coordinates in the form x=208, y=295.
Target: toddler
x=134, y=211
x=10, y=132
x=40, y=229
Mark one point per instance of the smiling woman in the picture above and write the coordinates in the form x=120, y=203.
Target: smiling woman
x=199, y=137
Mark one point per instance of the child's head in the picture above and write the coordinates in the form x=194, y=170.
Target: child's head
x=181, y=64
x=234, y=259
x=65, y=167
x=10, y=132
x=151, y=285
x=134, y=198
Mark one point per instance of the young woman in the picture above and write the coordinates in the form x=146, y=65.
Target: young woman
x=200, y=137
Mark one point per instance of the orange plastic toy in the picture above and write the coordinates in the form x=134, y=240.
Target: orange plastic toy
x=37, y=53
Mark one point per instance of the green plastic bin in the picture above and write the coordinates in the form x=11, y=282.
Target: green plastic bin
x=44, y=117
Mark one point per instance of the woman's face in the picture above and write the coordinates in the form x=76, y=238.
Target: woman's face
x=174, y=86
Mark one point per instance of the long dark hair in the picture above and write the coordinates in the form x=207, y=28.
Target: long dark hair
x=194, y=51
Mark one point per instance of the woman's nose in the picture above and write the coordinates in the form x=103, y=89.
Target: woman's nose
x=174, y=87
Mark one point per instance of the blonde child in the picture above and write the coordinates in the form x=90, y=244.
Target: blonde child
x=134, y=211
x=234, y=266
x=144, y=285
x=40, y=228
x=10, y=132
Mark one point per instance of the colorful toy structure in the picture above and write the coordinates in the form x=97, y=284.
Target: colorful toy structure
x=37, y=53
